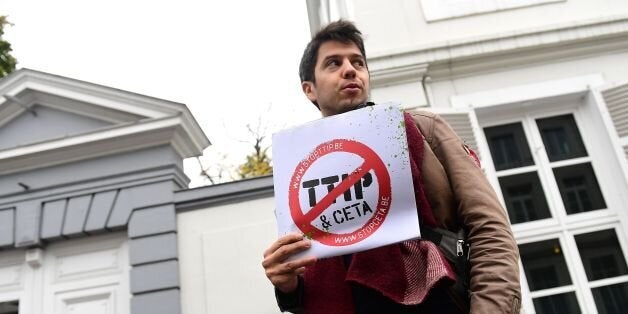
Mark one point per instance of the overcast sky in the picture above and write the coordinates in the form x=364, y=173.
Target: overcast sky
x=228, y=61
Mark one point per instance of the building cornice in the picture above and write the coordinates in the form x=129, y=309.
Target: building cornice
x=98, y=143
x=397, y=74
x=132, y=112
x=25, y=79
x=561, y=41
x=143, y=177
x=230, y=192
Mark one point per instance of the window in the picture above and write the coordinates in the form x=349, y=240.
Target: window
x=564, y=303
x=509, y=147
x=551, y=281
x=9, y=307
x=602, y=258
x=544, y=265
x=578, y=188
x=611, y=299
x=564, y=154
x=572, y=259
x=561, y=138
x=524, y=197
x=545, y=268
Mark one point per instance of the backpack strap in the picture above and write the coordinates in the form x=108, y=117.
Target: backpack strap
x=456, y=249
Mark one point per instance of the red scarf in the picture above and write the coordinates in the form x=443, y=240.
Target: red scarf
x=404, y=272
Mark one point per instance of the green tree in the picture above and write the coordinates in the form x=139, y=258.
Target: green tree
x=216, y=167
x=7, y=61
x=257, y=163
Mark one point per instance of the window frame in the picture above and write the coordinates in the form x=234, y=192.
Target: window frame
x=579, y=96
x=575, y=267
x=544, y=109
x=569, y=263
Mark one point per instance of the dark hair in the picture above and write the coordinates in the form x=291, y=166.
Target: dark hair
x=342, y=31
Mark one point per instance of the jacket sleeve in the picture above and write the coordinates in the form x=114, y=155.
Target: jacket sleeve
x=291, y=302
x=494, y=256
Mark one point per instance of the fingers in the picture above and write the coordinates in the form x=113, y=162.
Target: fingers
x=285, y=251
x=291, y=268
x=281, y=272
x=287, y=239
x=294, y=266
x=284, y=276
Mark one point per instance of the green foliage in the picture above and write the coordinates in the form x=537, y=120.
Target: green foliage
x=257, y=164
x=7, y=61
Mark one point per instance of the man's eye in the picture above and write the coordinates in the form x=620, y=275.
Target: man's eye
x=333, y=62
x=358, y=63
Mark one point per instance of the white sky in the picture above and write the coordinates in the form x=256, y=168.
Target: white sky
x=228, y=61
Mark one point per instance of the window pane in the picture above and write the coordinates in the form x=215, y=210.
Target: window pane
x=508, y=145
x=9, y=307
x=565, y=303
x=544, y=265
x=601, y=254
x=524, y=197
x=579, y=189
x=561, y=138
x=611, y=299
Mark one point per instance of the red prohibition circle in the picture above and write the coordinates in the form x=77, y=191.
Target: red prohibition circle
x=371, y=162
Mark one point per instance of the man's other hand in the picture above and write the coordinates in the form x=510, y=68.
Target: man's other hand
x=281, y=273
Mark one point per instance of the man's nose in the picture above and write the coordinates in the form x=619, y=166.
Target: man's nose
x=348, y=70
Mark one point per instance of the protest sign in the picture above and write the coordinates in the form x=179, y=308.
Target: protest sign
x=345, y=181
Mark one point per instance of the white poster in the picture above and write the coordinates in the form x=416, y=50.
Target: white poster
x=345, y=181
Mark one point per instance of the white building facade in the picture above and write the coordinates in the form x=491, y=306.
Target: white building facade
x=540, y=89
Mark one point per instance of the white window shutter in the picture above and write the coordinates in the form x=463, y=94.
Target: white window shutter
x=461, y=123
x=464, y=123
x=616, y=99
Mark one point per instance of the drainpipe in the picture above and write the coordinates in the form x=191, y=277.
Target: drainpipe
x=426, y=79
x=314, y=15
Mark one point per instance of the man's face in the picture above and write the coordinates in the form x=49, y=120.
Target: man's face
x=342, y=79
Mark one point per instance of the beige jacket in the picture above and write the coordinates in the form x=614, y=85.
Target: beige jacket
x=460, y=195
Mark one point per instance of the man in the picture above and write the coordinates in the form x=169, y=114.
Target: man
x=451, y=192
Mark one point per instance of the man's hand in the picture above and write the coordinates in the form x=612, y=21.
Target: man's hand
x=281, y=273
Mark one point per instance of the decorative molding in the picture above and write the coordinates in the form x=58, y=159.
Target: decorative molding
x=97, y=185
x=34, y=257
x=140, y=119
x=231, y=192
x=11, y=270
x=11, y=276
x=29, y=98
x=88, y=92
x=102, y=299
x=436, y=10
x=102, y=142
x=88, y=264
x=506, y=49
x=522, y=93
x=397, y=74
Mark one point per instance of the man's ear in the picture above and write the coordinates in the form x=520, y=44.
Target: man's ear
x=309, y=90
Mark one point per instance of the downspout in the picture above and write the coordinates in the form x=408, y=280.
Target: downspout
x=314, y=15
x=426, y=79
